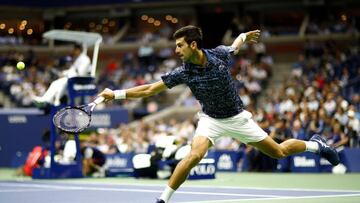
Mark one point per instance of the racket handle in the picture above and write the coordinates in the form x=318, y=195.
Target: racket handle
x=99, y=100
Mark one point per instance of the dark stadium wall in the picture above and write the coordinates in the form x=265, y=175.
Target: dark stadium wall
x=23, y=129
x=17, y=137
x=214, y=22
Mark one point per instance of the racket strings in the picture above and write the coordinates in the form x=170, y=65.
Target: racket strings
x=72, y=120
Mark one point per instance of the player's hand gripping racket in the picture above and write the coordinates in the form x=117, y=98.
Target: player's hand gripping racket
x=75, y=119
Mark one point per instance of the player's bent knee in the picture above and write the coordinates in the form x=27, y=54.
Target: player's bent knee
x=278, y=154
x=194, y=158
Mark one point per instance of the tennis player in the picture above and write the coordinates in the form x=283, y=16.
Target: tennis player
x=207, y=73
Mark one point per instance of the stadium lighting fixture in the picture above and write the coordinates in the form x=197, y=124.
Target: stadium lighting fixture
x=29, y=31
x=144, y=17
x=151, y=20
x=168, y=17
x=174, y=20
x=24, y=22
x=157, y=23
x=11, y=30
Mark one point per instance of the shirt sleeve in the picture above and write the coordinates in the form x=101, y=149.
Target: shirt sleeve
x=226, y=49
x=225, y=53
x=174, y=77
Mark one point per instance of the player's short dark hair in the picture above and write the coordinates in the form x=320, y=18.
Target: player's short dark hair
x=190, y=33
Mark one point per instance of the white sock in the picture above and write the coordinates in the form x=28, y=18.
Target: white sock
x=167, y=193
x=311, y=146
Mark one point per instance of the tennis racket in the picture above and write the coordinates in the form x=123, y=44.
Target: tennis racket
x=75, y=119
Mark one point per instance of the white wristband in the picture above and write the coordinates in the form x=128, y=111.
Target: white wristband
x=119, y=94
x=243, y=36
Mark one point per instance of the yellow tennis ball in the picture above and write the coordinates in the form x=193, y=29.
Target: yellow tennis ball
x=20, y=65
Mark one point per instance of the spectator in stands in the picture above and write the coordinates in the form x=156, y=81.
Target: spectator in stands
x=80, y=67
x=338, y=137
x=281, y=131
x=355, y=101
x=298, y=131
x=125, y=141
x=141, y=142
x=354, y=120
x=354, y=136
x=244, y=96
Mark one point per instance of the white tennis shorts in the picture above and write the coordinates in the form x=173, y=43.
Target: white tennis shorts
x=240, y=126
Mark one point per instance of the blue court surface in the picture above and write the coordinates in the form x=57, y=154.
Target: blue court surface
x=12, y=191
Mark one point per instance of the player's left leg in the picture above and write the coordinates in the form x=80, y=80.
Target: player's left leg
x=294, y=146
x=278, y=151
x=199, y=147
x=245, y=129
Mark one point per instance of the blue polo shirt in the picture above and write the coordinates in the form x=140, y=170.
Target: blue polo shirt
x=212, y=85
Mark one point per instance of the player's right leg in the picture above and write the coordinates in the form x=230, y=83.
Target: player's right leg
x=199, y=147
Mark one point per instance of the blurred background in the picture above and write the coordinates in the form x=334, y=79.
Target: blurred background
x=302, y=78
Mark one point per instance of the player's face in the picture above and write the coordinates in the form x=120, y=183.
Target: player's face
x=183, y=49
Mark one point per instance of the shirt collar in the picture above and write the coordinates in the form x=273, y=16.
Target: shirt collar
x=210, y=60
x=209, y=57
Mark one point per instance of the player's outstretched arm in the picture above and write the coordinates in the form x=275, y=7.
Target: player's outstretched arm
x=250, y=37
x=135, y=92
